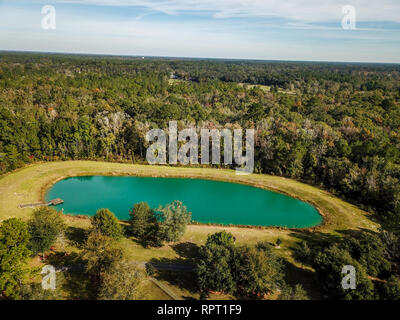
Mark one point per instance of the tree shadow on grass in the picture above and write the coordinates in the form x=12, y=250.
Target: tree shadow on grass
x=303, y=276
x=179, y=271
x=149, y=241
x=77, y=284
x=319, y=241
x=126, y=229
x=187, y=254
x=169, y=261
x=187, y=250
x=189, y=298
x=183, y=280
x=62, y=260
x=357, y=233
x=316, y=239
x=76, y=236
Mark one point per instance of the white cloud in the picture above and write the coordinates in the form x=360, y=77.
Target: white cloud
x=303, y=10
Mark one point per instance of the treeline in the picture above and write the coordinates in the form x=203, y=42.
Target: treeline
x=333, y=125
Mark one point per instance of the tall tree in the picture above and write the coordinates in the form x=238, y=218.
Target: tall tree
x=258, y=271
x=174, y=218
x=214, y=268
x=144, y=224
x=14, y=239
x=100, y=253
x=123, y=281
x=44, y=228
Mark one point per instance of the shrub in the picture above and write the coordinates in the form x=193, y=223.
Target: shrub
x=144, y=224
x=221, y=238
x=390, y=289
x=303, y=253
x=34, y=291
x=105, y=222
x=150, y=269
x=369, y=250
x=290, y=293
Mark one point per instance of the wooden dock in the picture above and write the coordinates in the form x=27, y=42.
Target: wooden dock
x=53, y=202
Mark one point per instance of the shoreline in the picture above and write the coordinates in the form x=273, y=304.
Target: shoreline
x=45, y=188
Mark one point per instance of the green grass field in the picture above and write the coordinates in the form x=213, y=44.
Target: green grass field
x=28, y=185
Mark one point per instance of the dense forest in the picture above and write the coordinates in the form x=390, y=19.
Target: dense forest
x=328, y=124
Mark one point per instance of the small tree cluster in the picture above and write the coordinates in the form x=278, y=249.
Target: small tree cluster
x=152, y=227
x=35, y=291
x=258, y=271
x=243, y=271
x=214, y=271
x=100, y=252
x=328, y=265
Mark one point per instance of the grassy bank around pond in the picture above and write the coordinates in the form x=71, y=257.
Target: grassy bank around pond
x=28, y=185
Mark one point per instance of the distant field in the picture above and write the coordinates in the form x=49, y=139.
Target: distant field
x=251, y=86
x=264, y=88
x=245, y=85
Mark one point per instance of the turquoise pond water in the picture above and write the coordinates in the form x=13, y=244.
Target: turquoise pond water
x=209, y=201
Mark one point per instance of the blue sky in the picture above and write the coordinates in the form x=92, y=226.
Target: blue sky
x=251, y=29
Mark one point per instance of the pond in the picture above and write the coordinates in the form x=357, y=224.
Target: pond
x=209, y=201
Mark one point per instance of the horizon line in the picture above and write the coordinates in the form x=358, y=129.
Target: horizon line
x=191, y=57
